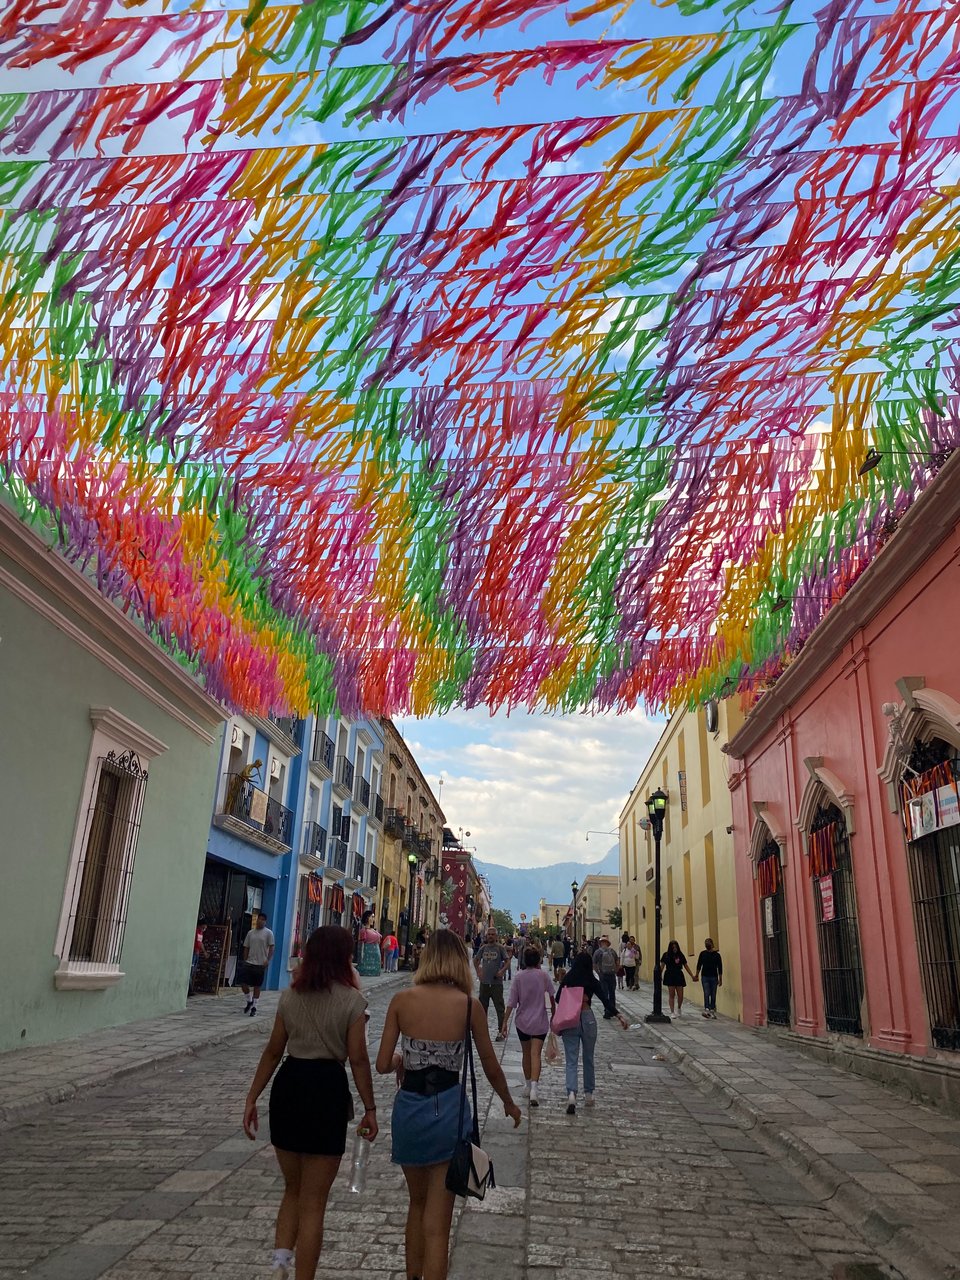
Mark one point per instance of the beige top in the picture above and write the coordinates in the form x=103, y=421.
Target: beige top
x=317, y=1022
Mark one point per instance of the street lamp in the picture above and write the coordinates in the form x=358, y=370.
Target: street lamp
x=574, y=887
x=558, y=920
x=656, y=809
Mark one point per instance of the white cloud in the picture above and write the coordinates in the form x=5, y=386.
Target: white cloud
x=528, y=787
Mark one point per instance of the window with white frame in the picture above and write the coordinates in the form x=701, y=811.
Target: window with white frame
x=94, y=914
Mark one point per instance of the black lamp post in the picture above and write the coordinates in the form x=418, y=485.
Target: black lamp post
x=656, y=809
x=574, y=887
x=558, y=920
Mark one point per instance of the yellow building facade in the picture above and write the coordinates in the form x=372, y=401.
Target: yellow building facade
x=596, y=898
x=698, y=893
x=412, y=838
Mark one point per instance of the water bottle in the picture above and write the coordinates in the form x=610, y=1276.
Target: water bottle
x=361, y=1158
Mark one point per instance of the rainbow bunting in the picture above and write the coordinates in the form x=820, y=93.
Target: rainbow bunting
x=363, y=391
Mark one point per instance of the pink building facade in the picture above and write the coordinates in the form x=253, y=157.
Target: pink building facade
x=846, y=818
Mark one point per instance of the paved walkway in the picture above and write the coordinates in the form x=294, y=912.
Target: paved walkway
x=150, y=1178
x=888, y=1166
x=31, y=1079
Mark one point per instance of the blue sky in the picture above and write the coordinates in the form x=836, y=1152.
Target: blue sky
x=529, y=787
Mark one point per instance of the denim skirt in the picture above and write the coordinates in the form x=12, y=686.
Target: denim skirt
x=425, y=1127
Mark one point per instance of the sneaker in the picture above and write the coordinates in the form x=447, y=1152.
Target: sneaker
x=571, y=1104
x=534, y=1100
x=253, y=1011
x=706, y=1014
x=588, y=1099
x=248, y=1006
x=501, y=1036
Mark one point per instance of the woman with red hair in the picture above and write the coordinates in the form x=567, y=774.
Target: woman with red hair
x=321, y=1022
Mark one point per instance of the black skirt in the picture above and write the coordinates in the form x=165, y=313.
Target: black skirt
x=310, y=1107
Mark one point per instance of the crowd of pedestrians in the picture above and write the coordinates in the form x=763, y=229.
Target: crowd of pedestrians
x=427, y=1039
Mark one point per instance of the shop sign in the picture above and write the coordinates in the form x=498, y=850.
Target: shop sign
x=827, y=909
x=768, y=917
x=932, y=811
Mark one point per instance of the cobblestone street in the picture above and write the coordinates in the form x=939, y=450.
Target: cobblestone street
x=150, y=1178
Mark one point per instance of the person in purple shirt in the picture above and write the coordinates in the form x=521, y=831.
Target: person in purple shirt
x=528, y=995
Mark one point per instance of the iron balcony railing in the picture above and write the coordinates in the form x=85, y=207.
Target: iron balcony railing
x=411, y=837
x=378, y=808
x=290, y=725
x=424, y=847
x=362, y=793
x=394, y=823
x=345, y=772
x=322, y=752
x=251, y=805
x=374, y=876
x=315, y=840
x=358, y=867
x=337, y=855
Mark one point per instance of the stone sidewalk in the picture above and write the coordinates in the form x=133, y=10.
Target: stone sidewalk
x=31, y=1079
x=889, y=1167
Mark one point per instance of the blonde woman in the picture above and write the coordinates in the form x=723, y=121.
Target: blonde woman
x=429, y=1020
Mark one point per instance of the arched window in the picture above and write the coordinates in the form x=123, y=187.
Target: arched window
x=930, y=809
x=838, y=933
x=773, y=931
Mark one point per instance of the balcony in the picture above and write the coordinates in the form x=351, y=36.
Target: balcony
x=251, y=813
x=424, y=847
x=343, y=777
x=394, y=823
x=337, y=855
x=374, y=880
x=411, y=837
x=378, y=809
x=358, y=868
x=315, y=841
x=361, y=794
x=321, y=753
x=292, y=726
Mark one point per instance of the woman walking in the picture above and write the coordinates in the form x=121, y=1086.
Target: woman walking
x=431, y=1020
x=673, y=962
x=528, y=996
x=584, y=1034
x=710, y=975
x=628, y=958
x=369, y=940
x=320, y=1022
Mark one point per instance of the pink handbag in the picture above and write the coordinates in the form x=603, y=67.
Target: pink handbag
x=569, y=1008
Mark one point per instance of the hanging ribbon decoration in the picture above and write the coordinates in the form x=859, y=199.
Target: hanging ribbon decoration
x=354, y=415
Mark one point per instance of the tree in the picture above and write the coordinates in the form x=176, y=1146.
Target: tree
x=615, y=917
x=502, y=921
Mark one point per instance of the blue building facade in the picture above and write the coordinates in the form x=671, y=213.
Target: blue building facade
x=296, y=831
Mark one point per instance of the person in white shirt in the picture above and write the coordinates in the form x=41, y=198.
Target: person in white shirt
x=258, y=948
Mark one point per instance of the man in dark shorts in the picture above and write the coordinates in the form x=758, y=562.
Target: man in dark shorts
x=491, y=964
x=258, y=948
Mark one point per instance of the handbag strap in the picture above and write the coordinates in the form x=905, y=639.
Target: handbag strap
x=468, y=1067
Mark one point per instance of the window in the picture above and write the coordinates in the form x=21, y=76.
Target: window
x=106, y=864
x=94, y=915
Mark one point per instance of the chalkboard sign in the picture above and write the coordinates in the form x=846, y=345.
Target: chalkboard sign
x=209, y=975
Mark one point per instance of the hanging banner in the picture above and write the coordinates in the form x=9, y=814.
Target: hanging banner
x=827, y=906
x=768, y=917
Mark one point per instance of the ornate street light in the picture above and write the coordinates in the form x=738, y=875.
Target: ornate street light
x=411, y=904
x=574, y=886
x=656, y=811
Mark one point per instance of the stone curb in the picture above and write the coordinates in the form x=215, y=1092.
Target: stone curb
x=23, y=1112
x=916, y=1257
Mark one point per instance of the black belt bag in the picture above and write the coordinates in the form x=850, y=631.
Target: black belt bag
x=429, y=1081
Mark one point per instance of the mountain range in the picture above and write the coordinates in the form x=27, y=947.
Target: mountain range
x=519, y=889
